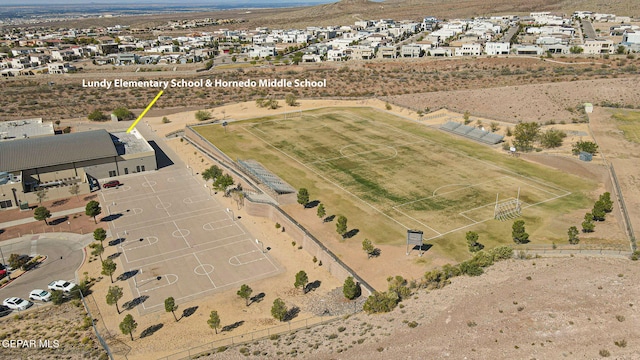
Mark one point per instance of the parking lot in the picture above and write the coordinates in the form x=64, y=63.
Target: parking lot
x=173, y=238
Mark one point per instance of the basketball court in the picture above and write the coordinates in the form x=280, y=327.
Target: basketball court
x=174, y=239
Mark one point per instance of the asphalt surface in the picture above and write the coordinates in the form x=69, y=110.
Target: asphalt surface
x=64, y=256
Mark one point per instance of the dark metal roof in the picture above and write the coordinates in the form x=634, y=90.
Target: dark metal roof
x=40, y=152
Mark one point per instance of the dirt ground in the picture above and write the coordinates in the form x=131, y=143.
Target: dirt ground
x=544, y=308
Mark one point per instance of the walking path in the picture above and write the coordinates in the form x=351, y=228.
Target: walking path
x=7, y=224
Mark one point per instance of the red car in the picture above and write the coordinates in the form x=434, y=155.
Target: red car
x=111, y=184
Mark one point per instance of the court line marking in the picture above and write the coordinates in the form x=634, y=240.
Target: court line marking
x=240, y=263
x=209, y=277
x=164, y=276
x=183, y=249
x=141, y=246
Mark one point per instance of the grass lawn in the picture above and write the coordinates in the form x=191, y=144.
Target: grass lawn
x=629, y=123
x=388, y=174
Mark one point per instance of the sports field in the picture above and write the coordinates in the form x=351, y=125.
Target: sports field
x=411, y=175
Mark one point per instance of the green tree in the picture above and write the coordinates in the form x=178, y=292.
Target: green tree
x=122, y=113
x=321, y=211
x=202, y=115
x=303, y=197
x=57, y=297
x=368, y=248
x=41, y=213
x=214, y=320
x=98, y=250
x=586, y=146
x=93, y=209
x=109, y=268
x=588, y=225
x=211, y=173
x=598, y=211
x=472, y=241
x=573, y=235
x=350, y=289
x=398, y=285
x=170, y=306
x=279, y=310
x=525, y=134
x=380, y=302
x=223, y=182
x=245, y=293
x=208, y=65
x=290, y=99
x=605, y=199
x=301, y=281
x=341, y=225
x=41, y=194
x=518, y=232
x=128, y=325
x=576, y=49
x=552, y=138
x=74, y=190
x=97, y=115
x=114, y=294
x=99, y=234
x=494, y=126
x=466, y=116
x=620, y=50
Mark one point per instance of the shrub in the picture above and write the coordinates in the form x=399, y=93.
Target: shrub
x=165, y=120
x=202, y=115
x=412, y=324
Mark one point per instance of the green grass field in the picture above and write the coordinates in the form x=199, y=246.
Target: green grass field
x=405, y=174
x=629, y=123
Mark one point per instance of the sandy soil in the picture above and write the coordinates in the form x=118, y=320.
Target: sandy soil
x=546, y=308
x=538, y=102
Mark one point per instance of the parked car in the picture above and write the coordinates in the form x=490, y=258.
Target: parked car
x=62, y=285
x=41, y=295
x=4, y=310
x=15, y=303
x=111, y=184
x=3, y=273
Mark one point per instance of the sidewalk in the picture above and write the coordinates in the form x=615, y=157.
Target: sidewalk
x=31, y=219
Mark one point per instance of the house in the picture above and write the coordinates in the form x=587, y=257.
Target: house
x=468, y=50
x=262, y=51
x=411, y=50
x=336, y=54
x=60, y=68
x=598, y=46
x=126, y=59
x=529, y=50
x=361, y=52
x=631, y=37
x=387, y=52
x=497, y=48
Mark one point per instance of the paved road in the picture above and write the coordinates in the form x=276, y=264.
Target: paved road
x=589, y=31
x=64, y=256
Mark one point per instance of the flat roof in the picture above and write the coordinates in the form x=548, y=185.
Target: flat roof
x=130, y=143
x=20, y=129
x=55, y=150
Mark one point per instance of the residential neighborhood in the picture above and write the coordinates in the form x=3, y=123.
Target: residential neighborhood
x=28, y=51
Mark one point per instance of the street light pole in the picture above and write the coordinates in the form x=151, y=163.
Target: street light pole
x=261, y=244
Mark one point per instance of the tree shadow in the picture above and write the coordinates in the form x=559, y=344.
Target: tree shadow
x=59, y=220
x=59, y=202
x=150, y=330
x=117, y=241
x=114, y=255
x=312, y=286
x=329, y=218
x=292, y=313
x=90, y=197
x=189, y=311
x=312, y=204
x=232, y=326
x=375, y=253
x=127, y=275
x=256, y=298
x=111, y=217
x=351, y=233
x=135, y=302
x=2, y=231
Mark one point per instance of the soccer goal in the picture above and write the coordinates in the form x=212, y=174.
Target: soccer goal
x=507, y=209
x=296, y=114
